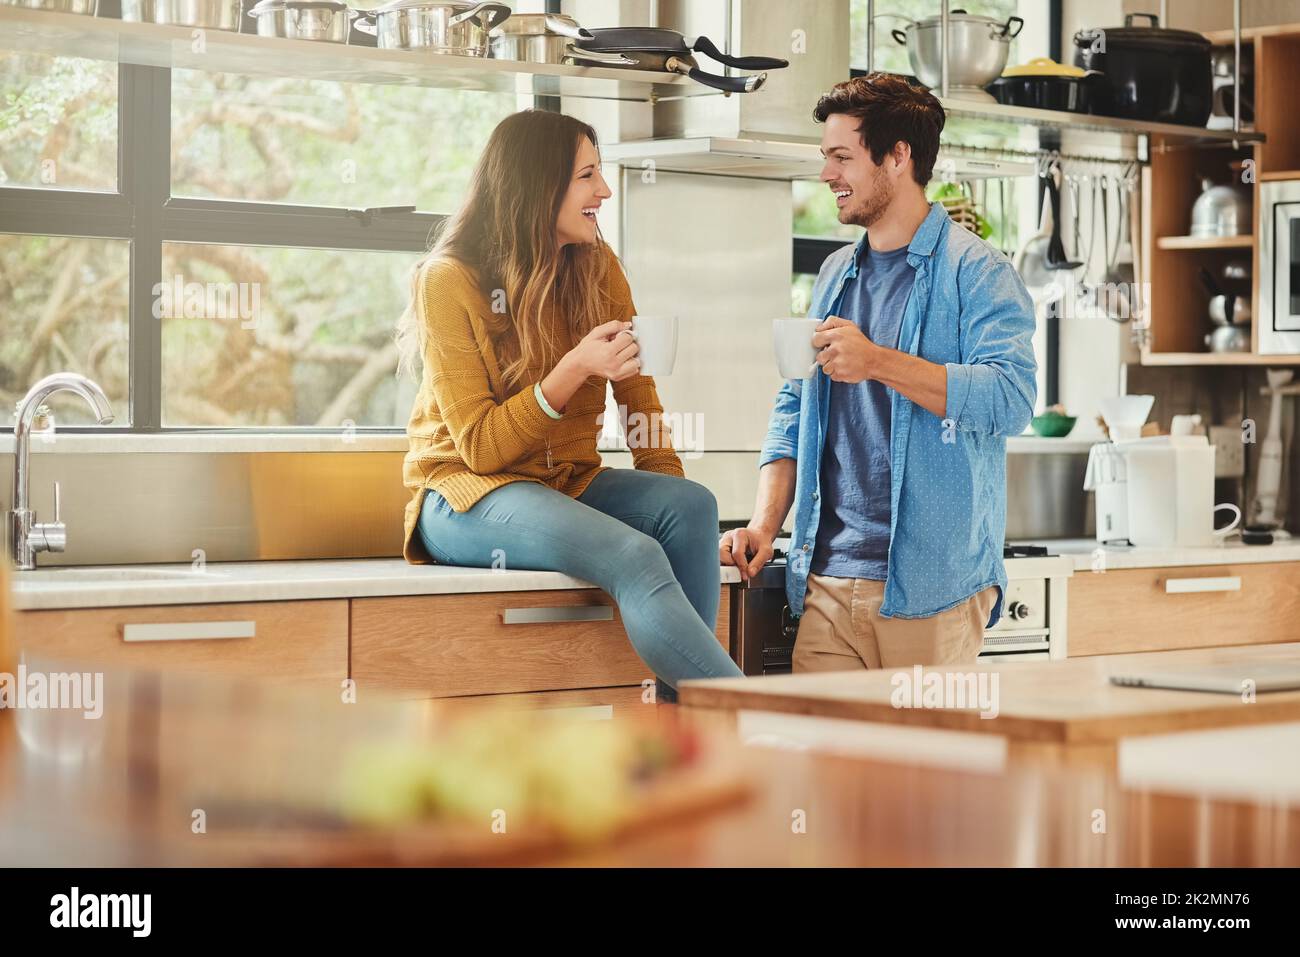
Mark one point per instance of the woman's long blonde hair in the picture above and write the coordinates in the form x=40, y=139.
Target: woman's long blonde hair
x=505, y=232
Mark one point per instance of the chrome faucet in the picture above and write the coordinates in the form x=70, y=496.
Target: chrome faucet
x=26, y=535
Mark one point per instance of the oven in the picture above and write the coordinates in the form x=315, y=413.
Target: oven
x=1279, y=267
x=1032, y=626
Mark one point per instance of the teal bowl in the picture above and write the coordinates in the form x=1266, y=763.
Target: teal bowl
x=1053, y=425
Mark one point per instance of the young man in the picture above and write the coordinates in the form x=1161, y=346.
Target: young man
x=893, y=451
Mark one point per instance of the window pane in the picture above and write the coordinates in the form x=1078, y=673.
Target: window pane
x=58, y=122
x=323, y=143
x=272, y=336
x=63, y=308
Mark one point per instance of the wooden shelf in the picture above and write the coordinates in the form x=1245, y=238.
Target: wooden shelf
x=148, y=44
x=1058, y=119
x=1205, y=242
x=1216, y=359
x=1224, y=37
x=1279, y=174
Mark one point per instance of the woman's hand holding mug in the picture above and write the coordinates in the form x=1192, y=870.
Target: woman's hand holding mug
x=610, y=351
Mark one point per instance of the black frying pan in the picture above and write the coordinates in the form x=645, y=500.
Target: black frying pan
x=653, y=48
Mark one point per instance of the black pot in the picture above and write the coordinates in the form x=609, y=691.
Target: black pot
x=1070, y=94
x=1151, y=73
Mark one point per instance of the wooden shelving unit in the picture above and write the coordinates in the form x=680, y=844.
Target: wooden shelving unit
x=1171, y=182
x=1205, y=242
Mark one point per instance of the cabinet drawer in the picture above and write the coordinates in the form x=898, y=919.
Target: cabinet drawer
x=498, y=643
x=493, y=643
x=283, y=640
x=1155, y=609
x=589, y=702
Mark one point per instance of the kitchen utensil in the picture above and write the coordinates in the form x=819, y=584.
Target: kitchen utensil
x=1044, y=84
x=1052, y=425
x=653, y=48
x=977, y=51
x=1229, y=309
x=1106, y=477
x=1235, y=338
x=1263, y=507
x=461, y=29
x=1055, y=255
x=1171, y=492
x=796, y=356
x=1125, y=414
x=545, y=38
x=667, y=63
x=208, y=14
x=1222, y=210
x=656, y=337
x=1150, y=73
x=1236, y=276
x=1112, y=295
x=1031, y=260
x=87, y=8
x=329, y=21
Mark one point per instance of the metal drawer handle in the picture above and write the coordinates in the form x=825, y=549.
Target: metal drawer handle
x=556, y=613
x=1184, y=586
x=189, y=630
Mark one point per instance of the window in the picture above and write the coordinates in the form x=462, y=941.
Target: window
x=233, y=270
x=58, y=122
x=65, y=310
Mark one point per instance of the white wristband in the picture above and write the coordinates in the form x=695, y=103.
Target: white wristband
x=546, y=406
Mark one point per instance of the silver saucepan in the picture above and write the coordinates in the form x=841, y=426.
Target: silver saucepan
x=545, y=38
x=209, y=14
x=461, y=29
x=326, y=20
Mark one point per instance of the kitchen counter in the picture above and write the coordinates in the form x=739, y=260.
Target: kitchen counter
x=111, y=586
x=1083, y=553
x=98, y=793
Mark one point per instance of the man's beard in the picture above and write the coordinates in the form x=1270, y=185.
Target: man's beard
x=882, y=194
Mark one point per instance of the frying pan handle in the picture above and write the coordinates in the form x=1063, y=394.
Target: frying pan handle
x=705, y=45
x=727, y=84
x=598, y=56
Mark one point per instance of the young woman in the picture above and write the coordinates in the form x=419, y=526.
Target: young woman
x=521, y=314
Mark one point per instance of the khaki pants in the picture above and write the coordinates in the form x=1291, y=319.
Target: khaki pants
x=842, y=630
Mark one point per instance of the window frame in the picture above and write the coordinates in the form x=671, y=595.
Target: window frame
x=143, y=212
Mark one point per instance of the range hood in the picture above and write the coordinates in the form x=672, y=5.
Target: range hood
x=764, y=159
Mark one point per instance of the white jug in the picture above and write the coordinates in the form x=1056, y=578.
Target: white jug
x=1171, y=492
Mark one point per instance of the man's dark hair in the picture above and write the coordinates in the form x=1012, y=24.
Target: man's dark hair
x=889, y=109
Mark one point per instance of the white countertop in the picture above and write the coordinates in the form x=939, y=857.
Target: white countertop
x=1083, y=552
x=181, y=584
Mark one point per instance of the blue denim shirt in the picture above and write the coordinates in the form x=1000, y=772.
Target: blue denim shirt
x=969, y=312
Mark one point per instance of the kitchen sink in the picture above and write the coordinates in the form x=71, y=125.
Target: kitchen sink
x=108, y=573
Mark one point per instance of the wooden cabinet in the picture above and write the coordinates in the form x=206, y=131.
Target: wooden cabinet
x=1173, y=259
x=497, y=643
x=296, y=641
x=1157, y=609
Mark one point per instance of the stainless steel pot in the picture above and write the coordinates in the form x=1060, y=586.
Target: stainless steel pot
x=327, y=20
x=209, y=14
x=84, y=7
x=1223, y=210
x=461, y=29
x=977, y=51
x=546, y=38
x=1229, y=339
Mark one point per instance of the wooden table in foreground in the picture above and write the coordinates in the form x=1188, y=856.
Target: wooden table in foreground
x=122, y=790
x=1058, y=711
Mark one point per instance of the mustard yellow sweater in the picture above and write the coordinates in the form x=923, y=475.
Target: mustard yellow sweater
x=469, y=435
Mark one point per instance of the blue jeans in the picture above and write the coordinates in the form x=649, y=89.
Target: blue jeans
x=648, y=540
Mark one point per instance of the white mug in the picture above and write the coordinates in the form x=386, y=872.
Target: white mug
x=1221, y=533
x=796, y=356
x=657, y=338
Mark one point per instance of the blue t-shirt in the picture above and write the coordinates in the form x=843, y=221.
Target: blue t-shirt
x=853, y=538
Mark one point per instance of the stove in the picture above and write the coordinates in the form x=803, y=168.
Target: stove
x=1032, y=626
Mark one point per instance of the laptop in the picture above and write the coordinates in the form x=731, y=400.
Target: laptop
x=1225, y=678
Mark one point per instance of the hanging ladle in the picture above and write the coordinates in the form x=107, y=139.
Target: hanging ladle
x=1055, y=248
